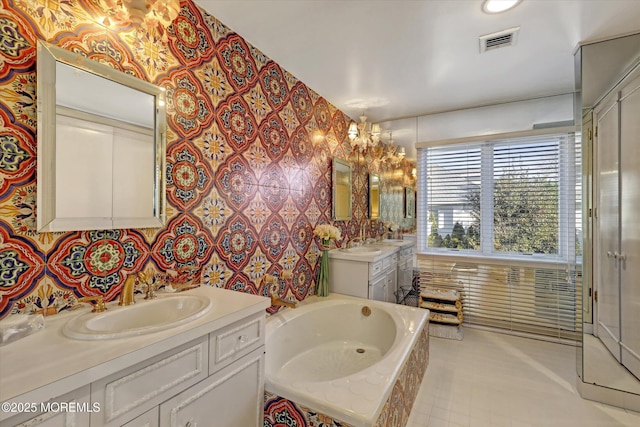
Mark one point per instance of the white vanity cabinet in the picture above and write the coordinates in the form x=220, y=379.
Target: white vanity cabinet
x=55, y=417
x=405, y=266
x=133, y=391
x=232, y=396
x=198, y=382
x=148, y=419
x=208, y=376
x=371, y=277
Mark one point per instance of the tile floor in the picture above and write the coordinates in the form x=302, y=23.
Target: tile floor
x=492, y=379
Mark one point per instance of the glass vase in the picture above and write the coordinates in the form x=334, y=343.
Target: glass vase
x=322, y=287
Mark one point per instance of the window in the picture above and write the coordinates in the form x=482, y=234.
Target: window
x=504, y=198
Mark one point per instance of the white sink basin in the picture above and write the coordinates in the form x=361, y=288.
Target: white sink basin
x=144, y=317
x=363, y=250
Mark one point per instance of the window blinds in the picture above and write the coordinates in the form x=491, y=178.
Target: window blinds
x=513, y=207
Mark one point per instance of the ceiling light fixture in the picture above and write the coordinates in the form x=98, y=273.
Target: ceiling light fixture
x=498, y=6
x=391, y=154
x=147, y=14
x=364, y=135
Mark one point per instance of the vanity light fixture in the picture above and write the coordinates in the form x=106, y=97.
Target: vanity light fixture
x=364, y=135
x=498, y=6
x=147, y=14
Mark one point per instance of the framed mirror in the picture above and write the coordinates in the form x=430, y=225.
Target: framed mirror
x=101, y=146
x=409, y=202
x=374, y=196
x=341, y=182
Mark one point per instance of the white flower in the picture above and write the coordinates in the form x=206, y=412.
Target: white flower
x=327, y=231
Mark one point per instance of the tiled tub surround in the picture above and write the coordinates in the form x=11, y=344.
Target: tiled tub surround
x=249, y=151
x=315, y=374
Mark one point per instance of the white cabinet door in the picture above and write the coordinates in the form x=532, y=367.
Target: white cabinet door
x=378, y=288
x=233, y=396
x=405, y=273
x=391, y=285
x=630, y=210
x=607, y=241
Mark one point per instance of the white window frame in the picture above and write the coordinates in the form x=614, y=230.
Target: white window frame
x=566, y=199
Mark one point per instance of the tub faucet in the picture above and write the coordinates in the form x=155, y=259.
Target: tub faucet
x=126, y=294
x=272, y=282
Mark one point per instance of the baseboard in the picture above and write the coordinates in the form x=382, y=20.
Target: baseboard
x=609, y=396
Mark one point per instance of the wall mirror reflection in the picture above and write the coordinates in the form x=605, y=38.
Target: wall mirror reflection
x=374, y=196
x=409, y=202
x=101, y=146
x=608, y=79
x=341, y=181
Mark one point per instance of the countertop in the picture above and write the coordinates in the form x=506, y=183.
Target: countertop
x=385, y=250
x=403, y=243
x=47, y=364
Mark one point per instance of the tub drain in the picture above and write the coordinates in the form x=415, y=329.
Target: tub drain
x=359, y=350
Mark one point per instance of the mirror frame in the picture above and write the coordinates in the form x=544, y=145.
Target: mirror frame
x=48, y=56
x=409, y=202
x=341, y=166
x=374, y=178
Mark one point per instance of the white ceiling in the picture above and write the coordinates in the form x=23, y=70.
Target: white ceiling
x=403, y=58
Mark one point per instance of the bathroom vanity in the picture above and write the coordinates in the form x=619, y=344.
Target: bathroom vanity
x=366, y=271
x=209, y=371
x=406, y=256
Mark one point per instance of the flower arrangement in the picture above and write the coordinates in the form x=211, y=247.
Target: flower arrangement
x=325, y=232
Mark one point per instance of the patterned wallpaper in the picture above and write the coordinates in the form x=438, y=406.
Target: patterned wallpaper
x=248, y=162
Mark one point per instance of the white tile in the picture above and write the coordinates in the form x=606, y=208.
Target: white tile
x=438, y=422
x=492, y=379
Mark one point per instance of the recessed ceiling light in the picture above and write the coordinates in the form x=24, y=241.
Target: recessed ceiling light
x=497, y=6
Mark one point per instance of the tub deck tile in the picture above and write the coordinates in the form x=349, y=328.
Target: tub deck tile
x=395, y=412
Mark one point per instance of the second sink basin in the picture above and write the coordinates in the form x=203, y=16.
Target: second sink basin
x=363, y=250
x=138, y=319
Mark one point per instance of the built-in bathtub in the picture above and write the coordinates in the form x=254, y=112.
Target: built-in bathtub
x=333, y=361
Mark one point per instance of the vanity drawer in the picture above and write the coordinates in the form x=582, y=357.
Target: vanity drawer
x=389, y=262
x=375, y=268
x=135, y=390
x=234, y=341
x=406, y=252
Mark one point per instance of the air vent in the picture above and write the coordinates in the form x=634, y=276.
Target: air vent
x=500, y=39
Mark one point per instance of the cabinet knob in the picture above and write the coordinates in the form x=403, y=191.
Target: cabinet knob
x=242, y=338
x=609, y=254
x=190, y=424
